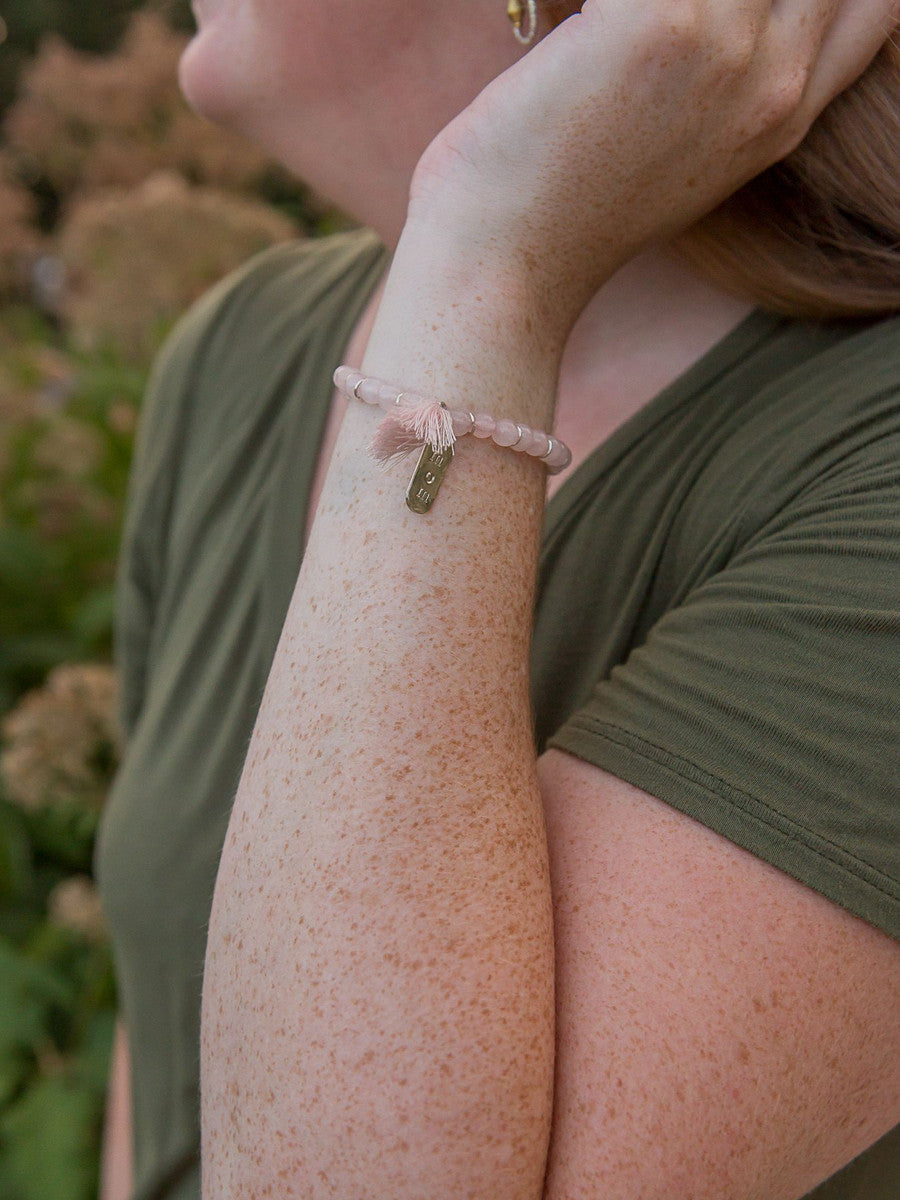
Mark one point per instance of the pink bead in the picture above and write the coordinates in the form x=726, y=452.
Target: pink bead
x=346, y=380
x=484, y=425
x=523, y=436
x=525, y=441
x=539, y=444
x=531, y=438
x=559, y=458
x=461, y=423
x=505, y=433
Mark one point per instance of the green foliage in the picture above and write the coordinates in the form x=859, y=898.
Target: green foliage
x=63, y=470
x=57, y=1012
x=65, y=460
x=67, y=420
x=61, y=493
x=50, y=1133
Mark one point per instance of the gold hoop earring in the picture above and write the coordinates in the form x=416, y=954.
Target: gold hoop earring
x=517, y=11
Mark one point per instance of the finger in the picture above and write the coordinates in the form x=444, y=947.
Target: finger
x=834, y=41
x=856, y=36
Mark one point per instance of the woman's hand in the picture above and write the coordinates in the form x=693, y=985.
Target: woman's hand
x=629, y=122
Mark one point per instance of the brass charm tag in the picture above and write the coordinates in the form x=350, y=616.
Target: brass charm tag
x=427, y=478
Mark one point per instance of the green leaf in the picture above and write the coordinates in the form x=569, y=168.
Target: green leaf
x=28, y=991
x=64, y=833
x=51, y=1137
x=28, y=994
x=93, y=1058
x=92, y=617
x=23, y=560
x=14, y=1071
x=16, y=863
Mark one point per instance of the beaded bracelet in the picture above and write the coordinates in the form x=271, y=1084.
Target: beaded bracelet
x=416, y=422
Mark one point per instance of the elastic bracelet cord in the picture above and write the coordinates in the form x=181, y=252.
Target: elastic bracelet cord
x=414, y=421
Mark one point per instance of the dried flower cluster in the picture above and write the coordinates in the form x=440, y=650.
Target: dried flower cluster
x=75, y=904
x=135, y=260
x=19, y=239
x=63, y=507
x=69, y=448
x=62, y=740
x=84, y=122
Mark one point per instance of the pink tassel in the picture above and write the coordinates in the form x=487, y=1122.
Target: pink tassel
x=404, y=430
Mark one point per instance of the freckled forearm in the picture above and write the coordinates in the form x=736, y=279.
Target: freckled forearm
x=378, y=997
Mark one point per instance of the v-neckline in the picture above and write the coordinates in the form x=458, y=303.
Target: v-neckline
x=718, y=359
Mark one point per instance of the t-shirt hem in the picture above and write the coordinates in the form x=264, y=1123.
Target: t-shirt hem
x=741, y=818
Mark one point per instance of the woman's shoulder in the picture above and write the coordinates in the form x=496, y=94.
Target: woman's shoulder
x=253, y=316
x=829, y=401
x=850, y=357
x=229, y=349
x=853, y=381
x=868, y=351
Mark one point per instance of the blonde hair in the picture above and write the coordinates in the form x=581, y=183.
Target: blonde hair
x=816, y=235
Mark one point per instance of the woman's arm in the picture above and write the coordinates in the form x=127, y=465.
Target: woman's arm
x=116, y=1173
x=378, y=998
x=724, y=1031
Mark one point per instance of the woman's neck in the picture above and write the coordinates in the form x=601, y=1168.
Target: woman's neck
x=644, y=328
x=652, y=318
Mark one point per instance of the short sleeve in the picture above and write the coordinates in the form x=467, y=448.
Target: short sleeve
x=152, y=483
x=765, y=705
x=195, y=377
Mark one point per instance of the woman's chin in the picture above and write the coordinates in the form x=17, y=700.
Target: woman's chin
x=208, y=83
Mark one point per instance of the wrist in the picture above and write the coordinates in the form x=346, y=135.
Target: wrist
x=546, y=285
x=467, y=256
x=460, y=325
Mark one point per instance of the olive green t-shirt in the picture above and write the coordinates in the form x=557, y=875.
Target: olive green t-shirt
x=717, y=623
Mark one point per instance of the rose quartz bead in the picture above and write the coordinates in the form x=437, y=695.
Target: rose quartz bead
x=539, y=444
x=461, y=423
x=531, y=443
x=521, y=447
x=484, y=425
x=559, y=458
x=347, y=381
x=505, y=433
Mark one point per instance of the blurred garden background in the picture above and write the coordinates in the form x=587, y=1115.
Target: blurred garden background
x=118, y=208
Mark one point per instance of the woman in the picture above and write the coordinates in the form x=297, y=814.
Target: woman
x=617, y=918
